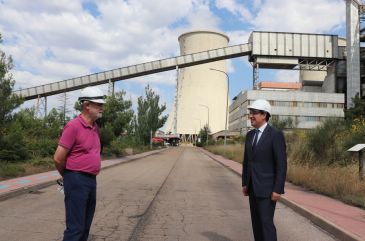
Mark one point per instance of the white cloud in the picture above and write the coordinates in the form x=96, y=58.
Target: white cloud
x=287, y=76
x=256, y=4
x=202, y=18
x=238, y=37
x=230, y=66
x=52, y=41
x=238, y=9
x=55, y=41
x=306, y=16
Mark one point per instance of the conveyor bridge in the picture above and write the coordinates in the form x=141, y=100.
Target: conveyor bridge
x=265, y=49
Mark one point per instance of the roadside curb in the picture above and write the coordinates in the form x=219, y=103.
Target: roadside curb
x=38, y=186
x=324, y=224
x=328, y=226
x=133, y=158
x=26, y=189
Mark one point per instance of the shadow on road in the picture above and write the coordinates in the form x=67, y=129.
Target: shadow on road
x=215, y=237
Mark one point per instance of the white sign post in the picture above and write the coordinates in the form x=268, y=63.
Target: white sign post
x=358, y=148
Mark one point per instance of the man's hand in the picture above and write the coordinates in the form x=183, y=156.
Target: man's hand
x=245, y=191
x=275, y=196
x=60, y=159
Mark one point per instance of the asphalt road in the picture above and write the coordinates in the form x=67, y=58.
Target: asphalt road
x=178, y=194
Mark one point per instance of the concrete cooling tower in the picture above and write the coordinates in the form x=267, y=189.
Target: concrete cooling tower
x=201, y=92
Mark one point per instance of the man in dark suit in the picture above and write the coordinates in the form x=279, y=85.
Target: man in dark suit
x=264, y=170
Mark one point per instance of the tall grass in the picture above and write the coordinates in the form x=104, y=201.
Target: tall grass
x=340, y=182
x=19, y=169
x=337, y=181
x=232, y=151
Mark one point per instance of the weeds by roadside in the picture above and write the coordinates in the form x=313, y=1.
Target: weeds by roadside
x=38, y=165
x=233, y=151
x=19, y=169
x=337, y=181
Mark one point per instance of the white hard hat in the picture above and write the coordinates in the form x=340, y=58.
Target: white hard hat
x=261, y=104
x=92, y=94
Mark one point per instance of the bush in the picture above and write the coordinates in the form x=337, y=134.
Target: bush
x=12, y=145
x=42, y=147
x=355, y=135
x=323, y=144
x=117, y=147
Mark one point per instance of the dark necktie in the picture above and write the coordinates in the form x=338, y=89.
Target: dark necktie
x=257, y=131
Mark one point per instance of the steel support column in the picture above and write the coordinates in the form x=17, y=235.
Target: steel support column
x=353, y=50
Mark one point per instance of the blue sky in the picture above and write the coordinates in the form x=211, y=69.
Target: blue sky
x=56, y=40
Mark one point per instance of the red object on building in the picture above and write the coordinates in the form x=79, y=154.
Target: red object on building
x=157, y=140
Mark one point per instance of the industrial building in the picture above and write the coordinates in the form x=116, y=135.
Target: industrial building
x=326, y=85
x=305, y=109
x=328, y=65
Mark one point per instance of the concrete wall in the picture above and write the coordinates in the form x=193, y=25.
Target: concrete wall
x=306, y=109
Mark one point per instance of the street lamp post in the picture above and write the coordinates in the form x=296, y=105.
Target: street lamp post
x=208, y=119
x=225, y=131
x=200, y=127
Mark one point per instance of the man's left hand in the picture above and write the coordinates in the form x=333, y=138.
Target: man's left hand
x=275, y=196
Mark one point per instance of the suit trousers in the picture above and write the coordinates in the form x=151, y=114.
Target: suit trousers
x=80, y=202
x=262, y=218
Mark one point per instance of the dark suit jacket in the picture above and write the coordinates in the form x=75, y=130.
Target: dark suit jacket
x=265, y=166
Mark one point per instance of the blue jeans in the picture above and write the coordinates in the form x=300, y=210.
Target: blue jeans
x=80, y=202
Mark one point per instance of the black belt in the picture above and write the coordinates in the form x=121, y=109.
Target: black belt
x=82, y=173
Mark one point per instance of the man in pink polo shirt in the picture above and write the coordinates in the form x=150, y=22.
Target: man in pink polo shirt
x=77, y=159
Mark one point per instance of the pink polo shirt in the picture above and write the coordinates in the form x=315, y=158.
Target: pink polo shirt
x=84, y=144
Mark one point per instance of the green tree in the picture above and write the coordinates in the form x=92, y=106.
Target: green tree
x=357, y=111
x=77, y=106
x=12, y=144
x=8, y=101
x=204, y=134
x=118, y=113
x=39, y=135
x=10, y=140
x=149, y=115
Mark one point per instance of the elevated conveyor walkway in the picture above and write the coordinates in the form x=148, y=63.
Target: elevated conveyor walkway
x=277, y=50
x=135, y=71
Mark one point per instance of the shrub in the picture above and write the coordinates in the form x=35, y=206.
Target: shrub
x=327, y=144
x=42, y=147
x=117, y=147
x=355, y=135
x=12, y=145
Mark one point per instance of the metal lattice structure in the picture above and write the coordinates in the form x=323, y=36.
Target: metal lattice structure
x=134, y=71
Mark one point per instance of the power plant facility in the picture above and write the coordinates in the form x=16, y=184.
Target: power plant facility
x=201, y=91
x=331, y=73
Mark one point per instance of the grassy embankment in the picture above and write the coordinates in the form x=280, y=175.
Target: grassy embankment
x=38, y=165
x=339, y=182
